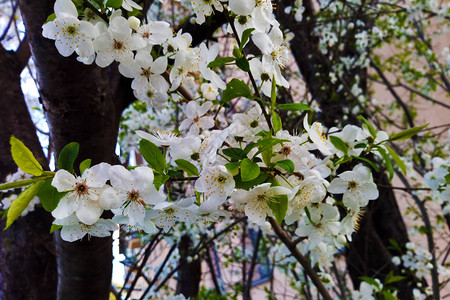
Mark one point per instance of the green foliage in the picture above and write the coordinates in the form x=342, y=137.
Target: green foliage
x=406, y=134
x=339, y=144
x=276, y=120
x=236, y=88
x=49, y=195
x=21, y=202
x=152, y=155
x=279, y=205
x=287, y=165
x=249, y=170
x=294, y=107
x=188, y=167
x=114, y=3
x=24, y=159
x=85, y=164
x=220, y=61
x=67, y=156
x=397, y=159
x=369, y=125
x=245, y=37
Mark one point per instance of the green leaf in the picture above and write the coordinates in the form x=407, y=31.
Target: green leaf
x=294, y=106
x=237, y=52
x=249, y=170
x=339, y=144
x=276, y=120
x=236, y=88
x=24, y=159
x=67, y=157
x=370, y=127
x=372, y=164
x=447, y=178
x=55, y=227
x=159, y=180
x=50, y=18
x=17, y=184
x=389, y=296
x=390, y=278
x=220, y=61
x=245, y=36
x=287, y=165
x=360, y=146
x=21, y=202
x=397, y=159
x=406, y=134
x=246, y=185
x=273, y=94
x=370, y=281
x=232, y=166
x=49, y=195
x=85, y=164
x=279, y=207
x=152, y=155
x=114, y=3
x=243, y=64
x=387, y=161
x=188, y=167
x=235, y=153
x=342, y=160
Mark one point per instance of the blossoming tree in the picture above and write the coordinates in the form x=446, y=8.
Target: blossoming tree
x=240, y=145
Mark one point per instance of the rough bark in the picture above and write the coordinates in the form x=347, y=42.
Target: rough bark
x=26, y=247
x=190, y=273
x=82, y=104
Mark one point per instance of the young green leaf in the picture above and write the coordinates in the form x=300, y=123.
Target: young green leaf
x=67, y=157
x=243, y=64
x=247, y=185
x=235, y=153
x=114, y=3
x=21, y=202
x=85, y=164
x=245, y=37
x=24, y=159
x=387, y=161
x=249, y=170
x=49, y=195
x=370, y=127
x=152, y=155
x=372, y=164
x=188, y=167
x=391, y=278
x=287, y=165
x=279, y=207
x=397, y=159
x=220, y=61
x=55, y=227
x=159, y=180
x=293, y=107
x=276, y=120
x=406, y=134
x=339, y=144
x=236, y=88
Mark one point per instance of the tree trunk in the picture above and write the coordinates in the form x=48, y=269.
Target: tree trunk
x=82, y=104
x=190, y=273
x=27, y=250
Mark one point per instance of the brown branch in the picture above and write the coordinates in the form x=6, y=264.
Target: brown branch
x=286, y=239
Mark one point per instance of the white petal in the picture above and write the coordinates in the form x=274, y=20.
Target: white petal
x=65, y=7
x=63, y=181
x=89, y=212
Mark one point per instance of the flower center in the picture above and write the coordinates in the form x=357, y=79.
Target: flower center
x=71, y=30
x=195, y=156
x=150, y=94
x=265, y=77
x=352, y=185
x=146, y=73
x=254, y=124
x=221, y=179
x=261, y=197
x=133, y=195
x=286, y=150
x=118, y=45
x=81, y=189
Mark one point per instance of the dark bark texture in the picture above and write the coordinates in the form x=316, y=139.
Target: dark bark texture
x=82, y=104
x=27, y=250
x=189, y=274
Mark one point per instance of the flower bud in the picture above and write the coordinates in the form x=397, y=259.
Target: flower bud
x=134, y=22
